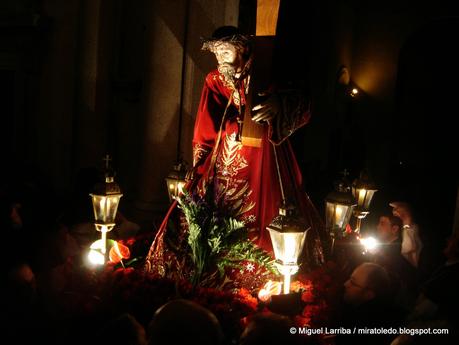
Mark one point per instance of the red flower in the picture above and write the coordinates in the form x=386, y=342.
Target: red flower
x=348, y=229
x=119, y=252
x=307, y=296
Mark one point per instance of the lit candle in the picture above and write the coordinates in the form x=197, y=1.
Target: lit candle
x=338, y=215
x=361, y=200
x=180, y=186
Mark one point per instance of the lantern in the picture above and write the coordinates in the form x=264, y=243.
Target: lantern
x=288, y=233
x=175, y=180
x=363, y=190
x=105, y=200
x=339, y=205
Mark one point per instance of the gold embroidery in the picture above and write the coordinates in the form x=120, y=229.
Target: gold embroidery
x=242, y=191
x=232, y=192
x=199, y=151
x=231, y=161
x=236, y=97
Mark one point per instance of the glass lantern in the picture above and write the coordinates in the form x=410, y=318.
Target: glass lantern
x=288, y=234
x=363, y=190
x=105, y=201
x=339, y=205
x=175, y=180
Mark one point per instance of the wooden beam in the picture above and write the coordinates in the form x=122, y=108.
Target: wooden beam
x=267, y=13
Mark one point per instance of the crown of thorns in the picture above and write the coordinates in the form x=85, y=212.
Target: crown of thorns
x=241, y=42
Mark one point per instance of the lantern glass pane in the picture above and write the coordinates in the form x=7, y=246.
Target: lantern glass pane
x=287, y=246
x=337, y=215
x=360, y=194
x=174, y=187
x=180, y=186
x=105, y=207
x=363, y=197
x=171, y=188
x=368, y=198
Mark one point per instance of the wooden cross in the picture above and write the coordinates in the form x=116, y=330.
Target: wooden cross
x=267, y=13
x=260, y=75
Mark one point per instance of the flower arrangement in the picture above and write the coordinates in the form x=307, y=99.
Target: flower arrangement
x=219, y=249
x=217, y=239
x=100, y=293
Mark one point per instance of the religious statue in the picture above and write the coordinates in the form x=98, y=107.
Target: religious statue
x=242, y=181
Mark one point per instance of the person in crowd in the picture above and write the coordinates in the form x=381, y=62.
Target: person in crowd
x=23, y=315
x=388, y=255
x=121, y=330
x=369, y=303
x=411, y=240
x=437, y=303
x=184, y=322
x=270, y=328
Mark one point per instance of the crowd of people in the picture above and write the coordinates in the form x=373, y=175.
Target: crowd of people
x=394, y=285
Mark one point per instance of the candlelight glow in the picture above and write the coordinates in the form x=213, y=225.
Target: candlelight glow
x=361, y=198
x=287, y=278
x=369, y=243
x=96, y=256
x=287, y=246
x=338, y=212
x=339, y=205
x=269, y=289
x=288, y=235
x=176, y=180
x=105, y=207
x=98, y=249
x=180, y=186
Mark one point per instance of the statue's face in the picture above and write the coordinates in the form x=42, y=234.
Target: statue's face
x=227, y=54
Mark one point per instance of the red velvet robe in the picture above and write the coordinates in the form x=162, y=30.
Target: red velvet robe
x=245, y=178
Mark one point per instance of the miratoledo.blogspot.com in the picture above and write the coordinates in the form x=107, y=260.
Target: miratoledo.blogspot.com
x=368, y=331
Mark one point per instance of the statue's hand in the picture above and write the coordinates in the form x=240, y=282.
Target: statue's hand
x=267, y=109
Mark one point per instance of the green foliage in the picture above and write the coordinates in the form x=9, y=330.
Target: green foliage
x=216, y=238
x=245, y=250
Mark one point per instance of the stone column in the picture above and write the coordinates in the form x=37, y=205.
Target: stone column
x=165, y=37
